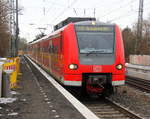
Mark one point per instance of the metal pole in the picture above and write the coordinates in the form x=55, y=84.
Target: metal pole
x=17, y=30
x=11, y=2
x=6, y=86
x=14, y=29
x=139, y=26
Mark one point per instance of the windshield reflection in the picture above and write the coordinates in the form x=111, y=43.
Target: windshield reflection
x=95, y=42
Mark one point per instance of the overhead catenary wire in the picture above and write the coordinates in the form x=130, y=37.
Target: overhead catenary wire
x=146, y=5
x=129, y=13
x=75, y=11
x=53, y=4
x=62, y=12
x=55, y=8
x=45, y=14
x=116, y=9
x=122, y=16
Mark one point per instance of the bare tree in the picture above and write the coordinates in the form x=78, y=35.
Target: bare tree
x=22, y=44
x=130, y=36
x=4, y=28
x=129, y=42
x=145, y=44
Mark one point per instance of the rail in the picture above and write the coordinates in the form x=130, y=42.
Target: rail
x=106, y=108
x=141, y=84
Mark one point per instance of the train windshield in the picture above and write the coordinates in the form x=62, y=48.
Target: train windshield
x=95, y=39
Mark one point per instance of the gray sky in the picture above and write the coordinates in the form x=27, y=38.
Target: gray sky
x=46, y=13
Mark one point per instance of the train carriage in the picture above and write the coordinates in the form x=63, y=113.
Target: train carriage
x=87, y=54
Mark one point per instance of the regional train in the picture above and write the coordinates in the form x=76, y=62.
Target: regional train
x=83, y=53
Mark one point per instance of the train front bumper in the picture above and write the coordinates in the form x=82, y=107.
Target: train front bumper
x=118, y=79
x=72, y=80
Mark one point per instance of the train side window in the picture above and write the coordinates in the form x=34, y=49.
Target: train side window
x=53, y=50
x=61, y=43
x=56, y=49
x=49, y=49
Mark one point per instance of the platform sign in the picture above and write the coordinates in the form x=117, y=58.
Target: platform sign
x=9, y=67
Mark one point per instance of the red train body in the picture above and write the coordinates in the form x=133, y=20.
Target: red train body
x=70, y=56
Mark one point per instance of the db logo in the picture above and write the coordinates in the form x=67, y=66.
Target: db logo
x=97, y=68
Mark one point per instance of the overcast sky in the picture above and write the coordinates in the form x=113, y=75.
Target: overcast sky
x=46, y=13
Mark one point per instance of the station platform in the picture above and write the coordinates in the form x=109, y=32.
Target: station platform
x=37, y=98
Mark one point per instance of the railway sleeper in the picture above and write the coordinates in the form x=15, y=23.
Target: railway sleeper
x=113, y=116
x=104, y=113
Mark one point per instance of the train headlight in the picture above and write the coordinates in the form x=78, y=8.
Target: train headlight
x=119, y=66
x=73, y=66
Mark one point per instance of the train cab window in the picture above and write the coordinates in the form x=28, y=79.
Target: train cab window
x=61, y=43
x=95, y=39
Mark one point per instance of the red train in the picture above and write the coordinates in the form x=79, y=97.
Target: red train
x=84, y=53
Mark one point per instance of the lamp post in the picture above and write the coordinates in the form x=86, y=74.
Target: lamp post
x=17, y=30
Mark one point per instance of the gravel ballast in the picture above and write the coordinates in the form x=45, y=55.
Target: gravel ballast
x=133, y=99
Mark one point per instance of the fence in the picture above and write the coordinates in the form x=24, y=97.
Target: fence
x=140, y=59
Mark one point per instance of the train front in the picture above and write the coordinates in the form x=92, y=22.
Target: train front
x=97, y=58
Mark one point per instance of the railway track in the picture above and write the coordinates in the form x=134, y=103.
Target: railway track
x=141, y=84
x=106, y=109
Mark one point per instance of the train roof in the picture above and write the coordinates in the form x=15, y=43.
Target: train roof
x=46, y=37
x=72, y=20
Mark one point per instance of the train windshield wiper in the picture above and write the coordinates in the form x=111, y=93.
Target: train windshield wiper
x=95, y=51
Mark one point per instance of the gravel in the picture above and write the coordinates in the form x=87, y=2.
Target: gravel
x=133, y=99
